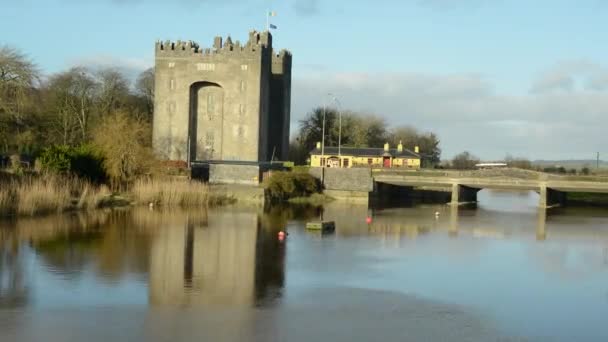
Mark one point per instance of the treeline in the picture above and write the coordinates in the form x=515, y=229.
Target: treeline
x=467, y=161
x=88, y=122
x=65, y=108
x=359, y=130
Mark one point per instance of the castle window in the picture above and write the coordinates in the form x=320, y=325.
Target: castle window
x=205, y=66
x=171, y=64
x=242, y=110
x=243, y=86
x=241, y=132
x=209, y=139
x=210, y=106
x=171, y=107
x=244, y=67
x=172, y=84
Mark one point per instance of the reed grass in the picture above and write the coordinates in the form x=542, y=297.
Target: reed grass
x=168, y=192
x=47, y=193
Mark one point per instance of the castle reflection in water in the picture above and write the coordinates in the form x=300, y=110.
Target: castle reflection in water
x=232, y=257
x=200, y=262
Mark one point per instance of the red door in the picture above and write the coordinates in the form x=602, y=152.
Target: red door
x=387, y=162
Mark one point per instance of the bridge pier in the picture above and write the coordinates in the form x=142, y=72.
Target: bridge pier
x=541, y=225
x=463, y=194
x=551, y=198
x=453, y=229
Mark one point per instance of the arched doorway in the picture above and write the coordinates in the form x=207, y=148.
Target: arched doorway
x=205, y=131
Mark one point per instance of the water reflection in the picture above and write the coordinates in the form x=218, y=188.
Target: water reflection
x=13, y=288
x=223, y=275
x=200, y=258
x=212, y=261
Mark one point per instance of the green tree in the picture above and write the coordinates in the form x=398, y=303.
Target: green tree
x=311, y=127
x=410, y=137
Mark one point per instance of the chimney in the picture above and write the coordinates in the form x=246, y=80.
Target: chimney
x=400, y=147
x=318, y=145
x=417, y=149
x=386, y=147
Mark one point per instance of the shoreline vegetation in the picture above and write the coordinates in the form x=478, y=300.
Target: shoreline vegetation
x=37, y=195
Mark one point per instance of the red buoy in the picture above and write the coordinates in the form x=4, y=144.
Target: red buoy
x=368, y=220
x=281, y=235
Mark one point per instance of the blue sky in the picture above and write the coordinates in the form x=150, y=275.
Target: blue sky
x=518, y=73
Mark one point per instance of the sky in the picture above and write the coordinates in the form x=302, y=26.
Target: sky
x=492, y=77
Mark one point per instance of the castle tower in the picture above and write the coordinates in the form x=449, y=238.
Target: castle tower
x=228, y=102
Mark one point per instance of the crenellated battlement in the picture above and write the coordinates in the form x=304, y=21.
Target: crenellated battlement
x=281, y=57
x=257, y=42
x=229, y=100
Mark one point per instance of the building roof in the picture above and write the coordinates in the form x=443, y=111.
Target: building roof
x=365, y=152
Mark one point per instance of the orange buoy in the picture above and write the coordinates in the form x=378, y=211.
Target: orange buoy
x=368, y=220
x=281, y=235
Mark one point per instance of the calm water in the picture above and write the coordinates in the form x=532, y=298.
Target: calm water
x=502, y=272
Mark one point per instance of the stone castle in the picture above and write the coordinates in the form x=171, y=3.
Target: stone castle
x=230, y=102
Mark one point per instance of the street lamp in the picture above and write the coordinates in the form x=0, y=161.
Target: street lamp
x=334, y=98
x=339, y=107
x=323, y=135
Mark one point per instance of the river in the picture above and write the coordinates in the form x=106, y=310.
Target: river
x=504, y=271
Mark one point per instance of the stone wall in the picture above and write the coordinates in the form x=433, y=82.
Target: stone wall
x=234, y=174
x=354, y=179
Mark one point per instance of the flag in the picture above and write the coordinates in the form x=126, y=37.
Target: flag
x=274, y=27
x=272, y=14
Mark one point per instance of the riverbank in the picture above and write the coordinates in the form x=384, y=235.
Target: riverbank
x=35, y=195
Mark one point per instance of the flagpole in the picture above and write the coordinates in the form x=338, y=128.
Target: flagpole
x=268, y=20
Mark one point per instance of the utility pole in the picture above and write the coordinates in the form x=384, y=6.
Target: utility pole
x=339, y=105
x=598, y=161
x=323, y=135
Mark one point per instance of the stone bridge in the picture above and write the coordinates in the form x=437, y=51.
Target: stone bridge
x=464, y=186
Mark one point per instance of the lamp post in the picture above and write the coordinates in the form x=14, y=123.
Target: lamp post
x=339, y=108
x=323, y=136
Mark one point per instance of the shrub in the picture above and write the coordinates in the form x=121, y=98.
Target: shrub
x=82, y=161
x=124, y=142
x=282, y=185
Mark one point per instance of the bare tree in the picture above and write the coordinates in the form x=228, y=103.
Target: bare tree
x=112, y=90
x=72, y=97
x=18, y=77
x=144, y=86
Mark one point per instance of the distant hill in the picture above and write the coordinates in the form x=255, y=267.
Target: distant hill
x=570, y=164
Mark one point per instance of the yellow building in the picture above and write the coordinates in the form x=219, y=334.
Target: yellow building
x=365, y=157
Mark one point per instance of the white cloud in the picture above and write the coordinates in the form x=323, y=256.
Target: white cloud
x=130, y=66
x=469, y=115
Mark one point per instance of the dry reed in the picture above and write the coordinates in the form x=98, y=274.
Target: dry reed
x=36, y=195
x=176, y=193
